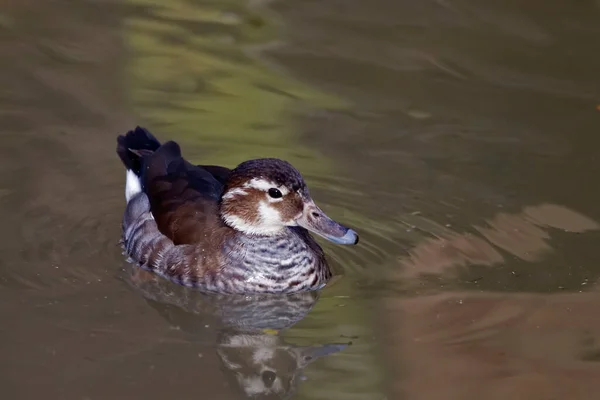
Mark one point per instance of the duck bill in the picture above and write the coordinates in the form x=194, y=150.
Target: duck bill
x=315, y=220
x=307, y=355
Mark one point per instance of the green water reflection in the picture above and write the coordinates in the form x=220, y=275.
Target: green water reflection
x=191, y=75
x=194, y=76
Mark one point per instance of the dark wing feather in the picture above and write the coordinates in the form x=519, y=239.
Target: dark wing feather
x=183, y=197
x=220, y=173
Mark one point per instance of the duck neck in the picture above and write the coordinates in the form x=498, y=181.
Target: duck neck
x=287, y=262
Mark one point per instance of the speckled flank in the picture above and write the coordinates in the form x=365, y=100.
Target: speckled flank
x=289, y=262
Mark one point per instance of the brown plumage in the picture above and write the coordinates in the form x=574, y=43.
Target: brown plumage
x=238, y=231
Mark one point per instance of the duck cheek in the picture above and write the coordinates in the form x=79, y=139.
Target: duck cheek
x=290, y=216
x=292, y=221
x=291, y=210
x=269, y=215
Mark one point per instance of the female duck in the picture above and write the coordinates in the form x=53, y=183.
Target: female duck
x=219, y=230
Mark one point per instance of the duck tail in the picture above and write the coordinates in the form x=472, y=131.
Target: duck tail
x=132, y=148
x=134, y=145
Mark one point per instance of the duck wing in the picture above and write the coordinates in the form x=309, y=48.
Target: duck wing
x=184, y=198
x=219, y=173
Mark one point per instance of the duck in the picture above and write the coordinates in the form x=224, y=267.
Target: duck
x=255, y=355
x=232, y=231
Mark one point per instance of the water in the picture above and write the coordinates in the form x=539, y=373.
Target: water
x=459, y=138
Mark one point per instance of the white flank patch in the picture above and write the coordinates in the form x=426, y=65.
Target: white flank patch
x=262, y=184
x=133, y=185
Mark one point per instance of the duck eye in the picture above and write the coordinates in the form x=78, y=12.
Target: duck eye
x=275, y=193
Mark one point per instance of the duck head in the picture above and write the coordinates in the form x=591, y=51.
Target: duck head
x=264, y=366
x=266, y=196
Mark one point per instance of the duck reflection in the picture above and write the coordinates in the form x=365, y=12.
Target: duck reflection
x=264, y=366
x=254, y=356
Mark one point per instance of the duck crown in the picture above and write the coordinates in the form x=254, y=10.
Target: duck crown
x=274, y=171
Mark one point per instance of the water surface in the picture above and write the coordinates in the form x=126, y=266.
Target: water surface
x=459, y=138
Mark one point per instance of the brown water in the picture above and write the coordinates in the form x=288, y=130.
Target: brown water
x=458, y=137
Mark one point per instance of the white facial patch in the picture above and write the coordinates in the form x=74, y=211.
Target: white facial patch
x=269, y=216
x=263, y=355
x=254, y=385
x=253, y=228
x=234, y=192
x=264, y=185
x=269, y=221
x=133, y=185
x=240, y=224
x=252, y=341
x=229, y=364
